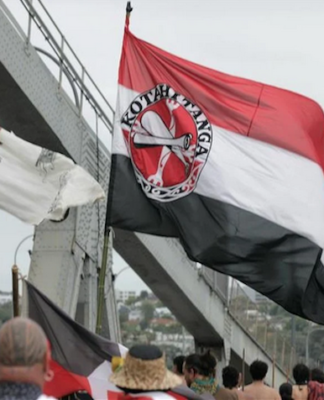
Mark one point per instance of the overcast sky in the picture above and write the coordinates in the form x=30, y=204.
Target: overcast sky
x=278, y=42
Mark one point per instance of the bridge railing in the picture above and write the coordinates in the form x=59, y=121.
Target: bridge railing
x=74, y=80
x=216, y=281
x=268, y=330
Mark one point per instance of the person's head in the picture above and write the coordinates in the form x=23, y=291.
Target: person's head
x=231, y=377
x=301, y=374
x=144, y=369
x=178, y=365
x=258, y=370
x=285, y=391
x=24, y=352
x=199, y=366
x=317, y=375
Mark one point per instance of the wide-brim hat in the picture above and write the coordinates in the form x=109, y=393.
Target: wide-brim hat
x=144, y=369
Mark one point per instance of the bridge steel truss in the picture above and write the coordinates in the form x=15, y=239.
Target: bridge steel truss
x=66, y=256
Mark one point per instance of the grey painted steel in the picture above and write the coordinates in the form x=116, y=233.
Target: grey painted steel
x=75, y=93
x=58, y=49
x=33, y=108
x=217, y=282
x=66, y=255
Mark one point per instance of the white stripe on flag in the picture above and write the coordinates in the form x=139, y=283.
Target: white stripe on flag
x=99, y=381
x=276, y=184
x=123, y=350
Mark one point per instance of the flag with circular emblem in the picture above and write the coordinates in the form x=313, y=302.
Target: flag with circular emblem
x=231, y=167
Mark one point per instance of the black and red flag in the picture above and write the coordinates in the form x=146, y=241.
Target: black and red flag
x=81, y=360
x=231, y=167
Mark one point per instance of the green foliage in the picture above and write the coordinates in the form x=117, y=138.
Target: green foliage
x=159, y=304
x=123, y=317
x=302, y=325
x=144, y=324
x=143, y=295
x=130, y=301
x=5, y=312
x=147, y=309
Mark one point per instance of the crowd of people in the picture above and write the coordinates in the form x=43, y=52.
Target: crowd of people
x=198, y=372
x=25, y=368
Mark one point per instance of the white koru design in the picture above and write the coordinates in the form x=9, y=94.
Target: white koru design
x=45, y=162
x=63, y=180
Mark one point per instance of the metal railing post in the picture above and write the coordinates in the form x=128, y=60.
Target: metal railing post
x=30, y=16
x=66, y=64
x=283, y=352
x=316, y=329
x=61, y=62
x=81, y=95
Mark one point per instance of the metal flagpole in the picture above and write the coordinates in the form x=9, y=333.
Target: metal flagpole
x=15, y=279
x=243, y=370
x=101, y=283
x=15, y=291
x=107, y=232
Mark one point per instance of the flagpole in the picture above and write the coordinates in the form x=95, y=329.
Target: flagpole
x=129, y=9
x=107, y=231
x=243, y=370
x=101, y=283
x=15, y=279
x=15, y=290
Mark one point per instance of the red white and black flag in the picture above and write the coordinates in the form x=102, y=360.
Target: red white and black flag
x=81, y=360
x=231, y=167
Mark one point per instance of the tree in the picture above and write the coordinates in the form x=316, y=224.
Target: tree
x=302, y=325
x=147, y=309
x=143, y=295
x=144, y=324
x=123, y=317
x=5, y=312
x=131, y=300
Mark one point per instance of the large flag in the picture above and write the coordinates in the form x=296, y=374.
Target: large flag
x=81, y=360
x=38, y=184
x=231, y=167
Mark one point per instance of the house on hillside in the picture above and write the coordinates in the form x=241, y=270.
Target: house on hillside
x=163, y=322
x=135, y=315
x=161, y=312
x=124, y=295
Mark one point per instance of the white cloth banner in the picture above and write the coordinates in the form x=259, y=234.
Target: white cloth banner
x=38, y=184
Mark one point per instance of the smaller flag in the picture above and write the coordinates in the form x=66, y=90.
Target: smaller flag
x=82, y=360
x=38, y=184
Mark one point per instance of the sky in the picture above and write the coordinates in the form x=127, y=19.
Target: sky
x=277, y=42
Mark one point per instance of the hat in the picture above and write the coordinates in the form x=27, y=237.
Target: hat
x=144, y=369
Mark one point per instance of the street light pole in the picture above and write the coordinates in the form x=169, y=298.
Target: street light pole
x=307, y=341
x=18, y=247
x=115, y=276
